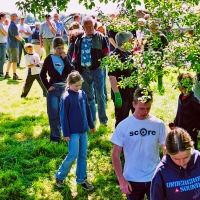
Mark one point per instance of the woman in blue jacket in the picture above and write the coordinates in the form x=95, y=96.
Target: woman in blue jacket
x=177, y=176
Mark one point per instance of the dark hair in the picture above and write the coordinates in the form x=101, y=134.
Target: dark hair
x=76, y=16
x=57, y=41
x=142, y=94
x=2, y=14
x=74, y=77
x=178, y=140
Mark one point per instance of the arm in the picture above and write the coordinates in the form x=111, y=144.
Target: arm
x=112, y=41
x=52, y=27
x=3, y=31
x=113, y=83
x=125, y=186
x=40, y=38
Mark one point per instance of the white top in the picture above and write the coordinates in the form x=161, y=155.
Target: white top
x=3, y=39
x=32, y=60
x=140, y=140
x=24, y=27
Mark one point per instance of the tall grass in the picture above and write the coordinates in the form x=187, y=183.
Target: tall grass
x=28, y=160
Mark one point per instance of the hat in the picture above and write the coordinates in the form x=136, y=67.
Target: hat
x=28, y=45
x=22, y=17
x=13, y=14
x=47, y=15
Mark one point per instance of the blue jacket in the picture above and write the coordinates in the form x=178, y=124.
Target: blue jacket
x=172, y=182
x=75, y=115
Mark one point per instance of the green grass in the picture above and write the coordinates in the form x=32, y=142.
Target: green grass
x=28, y=160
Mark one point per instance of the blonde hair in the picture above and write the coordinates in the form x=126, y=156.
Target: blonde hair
x=73, y=77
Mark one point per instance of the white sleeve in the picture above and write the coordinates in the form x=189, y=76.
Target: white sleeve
x=37, y=59
x=118, y=136
x=163, y=134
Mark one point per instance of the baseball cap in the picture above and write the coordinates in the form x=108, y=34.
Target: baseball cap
x=13, y=14
x=28, y=45
x=22, y=17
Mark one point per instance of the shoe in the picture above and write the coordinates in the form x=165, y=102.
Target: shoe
x=60, y=183
x=87, y=186
x=7, y=76
x=15, y=77
x=2, y=76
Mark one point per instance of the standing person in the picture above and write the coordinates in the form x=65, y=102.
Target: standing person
x=3, y=42
x=139, y=135
x=122, y=97
x=59, y=25
x=177, y=175
x=188, y=110
x=36, y=40
x=24, y=31
x=13, y=47
x=32, y=62
x=157, y=42
x=47, y=33
x=58, y=66
x=90, y=48
x=76, y=120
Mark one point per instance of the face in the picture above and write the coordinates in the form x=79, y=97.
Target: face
x=48, y=19
x=21, y=20
x=29, y=50
x=59, y=50
x=56, y=17
x=142, y=110
x=13, y=18
x=181, y=158
x=75, y=86
x=88, y=28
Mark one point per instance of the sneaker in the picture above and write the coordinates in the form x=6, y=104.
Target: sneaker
x=60, y=183
x=16, y=77
x=87, y=186
x=7, y=76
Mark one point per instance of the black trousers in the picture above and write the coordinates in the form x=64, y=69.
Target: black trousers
x=29, y=82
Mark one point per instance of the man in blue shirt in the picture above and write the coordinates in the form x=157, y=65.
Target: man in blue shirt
x=13, y=47
x=59, y=25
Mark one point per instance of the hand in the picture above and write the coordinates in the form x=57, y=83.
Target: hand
x=51, y=88
x=125, y=187
x=23, y=41
x=118, y=100
x=63, y=55
x=93, y=130
x=67, y=139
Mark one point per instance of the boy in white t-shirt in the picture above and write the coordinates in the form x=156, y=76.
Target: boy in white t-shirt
x=139, y=135
x=32, y=63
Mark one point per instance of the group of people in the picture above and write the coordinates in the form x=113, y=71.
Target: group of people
x=74, y=85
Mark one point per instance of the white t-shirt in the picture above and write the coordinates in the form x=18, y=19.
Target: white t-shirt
x=140, y=140
x=3, y=39
x=32, y=60
x=24, y=27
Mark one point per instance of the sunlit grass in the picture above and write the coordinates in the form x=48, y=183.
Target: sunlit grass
x=28, y=160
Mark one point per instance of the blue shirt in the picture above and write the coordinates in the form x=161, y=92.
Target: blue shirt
x=12, y=32
x=45, y=30
x=86, y=46
x=59, y=27
x=58, y=63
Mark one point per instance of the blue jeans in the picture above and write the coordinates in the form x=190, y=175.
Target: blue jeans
x=139, y=189
x=53, y=111
x=2, y=56
x=95, y=78
x=77, y=149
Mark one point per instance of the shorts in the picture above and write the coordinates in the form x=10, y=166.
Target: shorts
x=13, y=54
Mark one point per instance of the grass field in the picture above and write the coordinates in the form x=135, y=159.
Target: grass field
x=28, y=160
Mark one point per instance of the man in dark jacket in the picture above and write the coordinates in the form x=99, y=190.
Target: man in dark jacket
x=89, y=49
